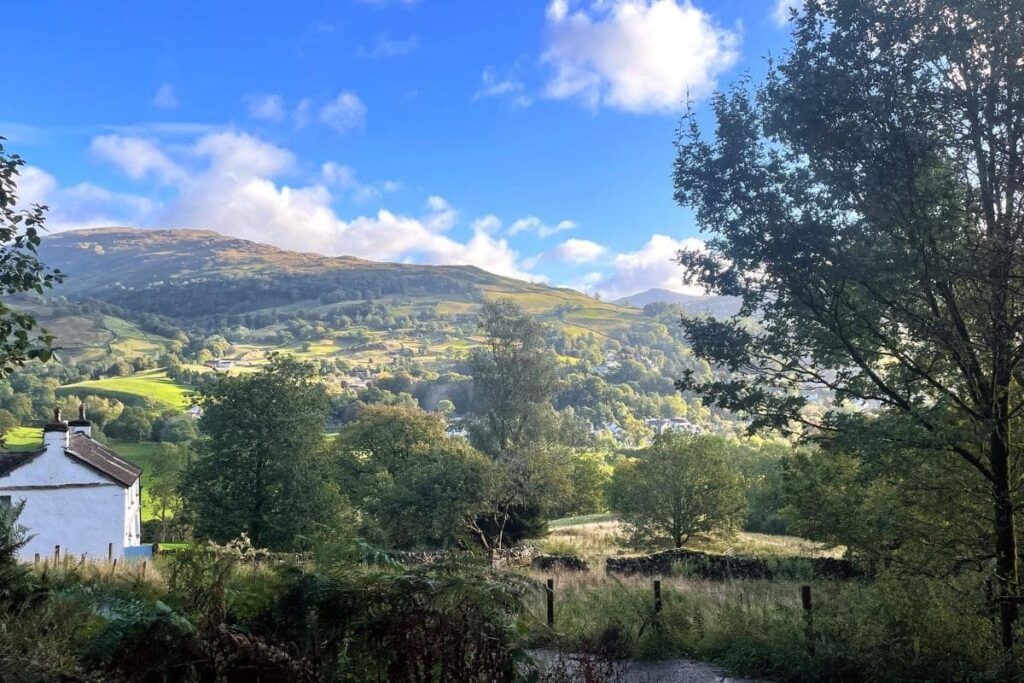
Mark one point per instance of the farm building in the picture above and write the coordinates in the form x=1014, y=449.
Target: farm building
x=78, y=493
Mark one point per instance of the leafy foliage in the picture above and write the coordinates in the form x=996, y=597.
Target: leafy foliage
x=260, y=468
x=20, y=270
x=679, y=487
x=863, y=204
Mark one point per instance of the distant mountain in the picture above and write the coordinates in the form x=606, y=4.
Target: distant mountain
x=193, y=274
x=718, y=306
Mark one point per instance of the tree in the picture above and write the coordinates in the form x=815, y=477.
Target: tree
x=20, y=270
x=417, y=486
x=164, y=481
x=514, y=378
x=677, y=488
x=260, y=468
x=513, y=421
x=174, y=427
x=864, y=203
x=133, y=424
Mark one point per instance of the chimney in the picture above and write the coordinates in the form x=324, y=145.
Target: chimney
x=55, y=434
x=81, y=425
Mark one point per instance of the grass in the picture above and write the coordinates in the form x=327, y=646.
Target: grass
x=24, y=439
x=596, y=537
x=151, y=386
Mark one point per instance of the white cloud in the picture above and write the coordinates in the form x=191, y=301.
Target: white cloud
x=635, y=55
x=84, y=205
x=653, y=265
x=578, y=251
x=267, y=107
x=489, y=224
x=344, y=113
x=385, y=47
x=137, y=157
x=344, y=177
x=539, y=227
x=232, y=186
x=166, y=97
x=782, y=10
x=240, y=155
x=493, y=85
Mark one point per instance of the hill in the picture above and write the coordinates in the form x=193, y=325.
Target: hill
x=718, y=306
x=190, y=274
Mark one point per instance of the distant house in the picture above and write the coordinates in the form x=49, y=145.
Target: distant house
x=456, y=427
x=195, y=412
x=220, y=363
x=355, y=383
x=673, y=424
x=78, y=493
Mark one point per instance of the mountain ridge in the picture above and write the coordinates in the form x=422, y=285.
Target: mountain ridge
x=712, y=304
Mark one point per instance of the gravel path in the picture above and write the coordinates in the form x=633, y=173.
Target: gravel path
x=667, y=671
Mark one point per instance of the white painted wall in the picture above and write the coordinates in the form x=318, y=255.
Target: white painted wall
x=80, y=509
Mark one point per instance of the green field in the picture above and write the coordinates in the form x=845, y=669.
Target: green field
x=24, y=439
x=153, y=385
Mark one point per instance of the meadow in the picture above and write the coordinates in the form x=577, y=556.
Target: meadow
x=150, y=387
x=879, y=628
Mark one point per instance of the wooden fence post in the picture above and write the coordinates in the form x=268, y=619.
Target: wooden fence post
x=56, y=555
x=657, y=596
x=808, y=605
x=550, y=591
x=36, y=560
x=110, y=552
x=143, y=569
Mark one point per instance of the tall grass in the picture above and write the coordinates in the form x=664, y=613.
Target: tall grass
x=887, y=629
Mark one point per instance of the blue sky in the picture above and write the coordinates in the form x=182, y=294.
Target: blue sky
x=528, y=137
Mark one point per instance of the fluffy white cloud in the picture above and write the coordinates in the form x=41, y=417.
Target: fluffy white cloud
x=137, y=157
x=782, y=10
x=572, y=251
x=229, y=181
x=635, y=55
x=653, y=265
x=84, y=205
x=267, y=107
x=166, y=97
x=539, y=227
x=578, y=251
x=344, y=113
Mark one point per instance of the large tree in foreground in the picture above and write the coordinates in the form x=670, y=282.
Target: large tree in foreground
x=679, y=487
x=20, y=270
x=260, y=467
x=865, y=202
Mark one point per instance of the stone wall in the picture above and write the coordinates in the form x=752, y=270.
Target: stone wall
x=722, y=567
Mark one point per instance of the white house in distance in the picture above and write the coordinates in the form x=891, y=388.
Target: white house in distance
x=78, y=493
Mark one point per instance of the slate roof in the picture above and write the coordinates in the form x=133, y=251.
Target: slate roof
x=100, y=458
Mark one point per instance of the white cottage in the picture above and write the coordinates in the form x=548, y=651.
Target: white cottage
x=78, y=493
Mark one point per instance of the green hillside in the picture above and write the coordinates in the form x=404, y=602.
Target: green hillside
x=153, y=387
x=190, y=274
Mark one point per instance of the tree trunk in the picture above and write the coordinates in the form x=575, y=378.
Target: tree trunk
x=1007, y=564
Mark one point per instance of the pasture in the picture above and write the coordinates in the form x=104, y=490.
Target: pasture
x=152, y=387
